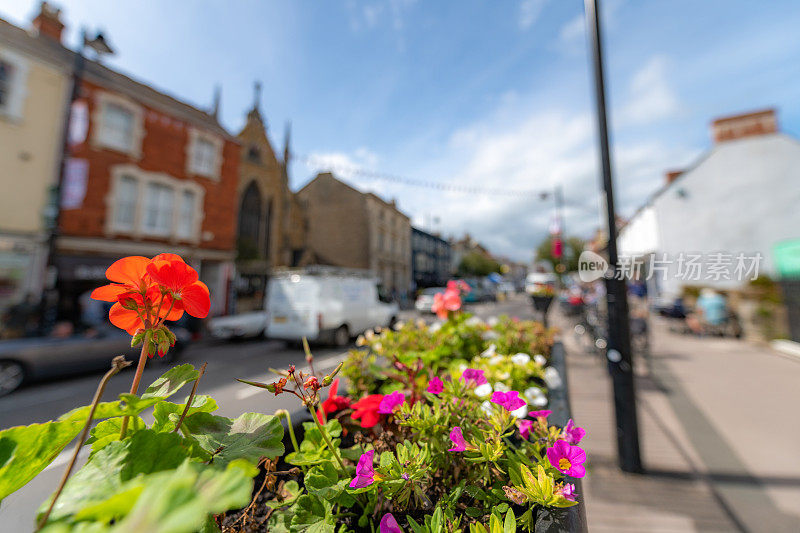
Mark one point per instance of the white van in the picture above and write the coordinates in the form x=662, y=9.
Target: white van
x=324, y=305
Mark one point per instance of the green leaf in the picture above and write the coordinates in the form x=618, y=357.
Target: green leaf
x=167, y=414
x=172, y=380
x=313, y=515
x=323, y=480
x=250, y=436
x=181, y=501
x=91, y=491
x=27, y=450
x=510, y=524
x=495, y=526
x=109, y=430
x=477, y=528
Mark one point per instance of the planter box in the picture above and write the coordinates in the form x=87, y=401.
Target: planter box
x=570, y=520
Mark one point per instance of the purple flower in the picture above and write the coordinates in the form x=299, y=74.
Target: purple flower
x=364, y=472
x=473, y=377
x=435, y=386
x=389, y=524
x=541, y=414
x=390, y=401
x=524, y=428
x=405, y=476
x=459, y=444
x=567, y=491
x=573, y=434
x=567, y=459
x=509, y=400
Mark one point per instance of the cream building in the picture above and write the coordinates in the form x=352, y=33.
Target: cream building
x=33, y=95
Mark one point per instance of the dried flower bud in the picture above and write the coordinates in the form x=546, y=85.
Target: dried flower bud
x=312, y=383
x=291, y=369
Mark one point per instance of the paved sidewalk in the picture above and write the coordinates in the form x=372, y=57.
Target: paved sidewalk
x=718, y=431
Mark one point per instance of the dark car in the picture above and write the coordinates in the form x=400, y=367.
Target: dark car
x=38, y=358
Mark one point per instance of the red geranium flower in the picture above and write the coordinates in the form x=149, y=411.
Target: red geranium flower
x=366, y=409
x=130, y=275
x=190, y=294
x=131, y=307
x=334, y=402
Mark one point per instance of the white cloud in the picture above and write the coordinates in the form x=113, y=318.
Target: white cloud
x=650, y=96
x=529, y=12
x=573, y=30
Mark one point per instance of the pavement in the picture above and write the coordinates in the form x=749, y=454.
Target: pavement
x=719, y=437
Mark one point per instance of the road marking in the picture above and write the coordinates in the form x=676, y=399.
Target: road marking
x=329, y=363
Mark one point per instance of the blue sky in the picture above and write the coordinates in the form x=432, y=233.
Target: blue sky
x=470, y=92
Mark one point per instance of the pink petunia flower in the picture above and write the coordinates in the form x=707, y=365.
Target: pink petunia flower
x=509, y=400
x=524, y=428
x=567, y=459
x=435, y=386
x=459, y=444
x=573, y=434
x=541, y=414
x=365, y=474
x=390, y=401
x=567, y=490
x=389, y=524
x=473, y=377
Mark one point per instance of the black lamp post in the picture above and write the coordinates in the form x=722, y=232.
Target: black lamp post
x=50, y=294
x=620, y=361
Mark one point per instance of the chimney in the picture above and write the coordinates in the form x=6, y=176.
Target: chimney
x=745, y=125
x=48, y=22
x=672, y=175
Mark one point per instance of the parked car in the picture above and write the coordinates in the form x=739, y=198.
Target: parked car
x=325, y=305
x=32, y=359
x=241, y=326
x=505, y=289
x=424, y=302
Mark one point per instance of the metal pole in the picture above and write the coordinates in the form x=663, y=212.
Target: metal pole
x=620, y=361
x=50, y=294
x=559, y=200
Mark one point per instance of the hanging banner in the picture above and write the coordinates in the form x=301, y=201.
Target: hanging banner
x=73, y=188
x=78, y=123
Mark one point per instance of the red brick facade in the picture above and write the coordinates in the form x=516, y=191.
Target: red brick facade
x=164, y=149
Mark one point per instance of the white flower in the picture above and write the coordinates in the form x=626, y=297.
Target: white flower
x=487, y=407
x=535, y=396
x=522, y=412
x=504, y=375
x=378, y=347
x=520, y=359
x=483, y=390
x=490, y=335
x=493, y=321
x=462, y=367
x=552, y=378
x=473, y=321
x=496, y=360
x=501, y=387
x=539, y=359
x=491, y=351
x=399, y=325
x=436, y=326
x=369, y=335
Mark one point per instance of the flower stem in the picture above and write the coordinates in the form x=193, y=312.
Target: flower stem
x=191, y=398
x=117, y=364
x=285, y=414
x=327, y=440
x=135, y=385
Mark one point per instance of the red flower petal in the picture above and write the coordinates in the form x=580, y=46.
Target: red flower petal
x=125, y=319
x=128, y=270
x=108, y=293
x=196, y=299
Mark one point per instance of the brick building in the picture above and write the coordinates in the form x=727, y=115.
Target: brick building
x=349, y=228
x=270, y=230
x=148, y=173
x=430, y=256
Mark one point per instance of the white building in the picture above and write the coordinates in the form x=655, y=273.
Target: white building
x=737, y=202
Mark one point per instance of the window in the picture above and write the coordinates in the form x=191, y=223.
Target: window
x=204, y=154
x=6, y=79
x=13, y=76
x=186, y=215
x=127, y=192
x=158, y=209
x=117, y=128
x=254, y=155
